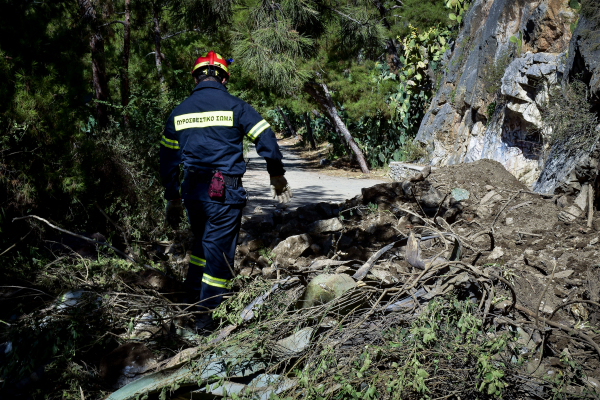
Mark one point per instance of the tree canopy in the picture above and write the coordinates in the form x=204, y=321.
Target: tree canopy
x=89, y=84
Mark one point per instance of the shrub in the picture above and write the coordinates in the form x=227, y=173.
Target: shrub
x=493, y=72
x=568, y=117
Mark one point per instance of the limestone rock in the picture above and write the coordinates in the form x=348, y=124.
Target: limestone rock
x=324, y=288
x=593, y=383
x=562, y=201
x=563, y=274
x=496, y=254
x=581, y=200
x=490, y=198
x=570, y=214
x=249, y=271
x=327, y=225
x=255, y=245
x=383, y=275
x=584, y=54
x=269, y=273
x=483, y=212
x=294, y=344
x=400, y=171
x=566, y=170
x=263, y=220
x=288, y=250
x=459, y=194
x=432, y=198
x=457, y=127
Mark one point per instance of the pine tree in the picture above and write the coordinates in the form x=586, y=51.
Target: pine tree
x=284, y=44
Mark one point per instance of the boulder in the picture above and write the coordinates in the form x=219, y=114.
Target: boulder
x=288, y=250
x=324, y=288
x=255, y=245
x=294, y=344
x=581, y=200
x=400, y=171
x=490, y=198
x=259, y=221
x=432, y=198
x=570, y=214
x=459, y=194
x=326, y=225
x=269, y=273
x=496, y=254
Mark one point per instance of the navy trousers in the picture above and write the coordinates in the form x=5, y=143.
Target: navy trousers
x=216, y=227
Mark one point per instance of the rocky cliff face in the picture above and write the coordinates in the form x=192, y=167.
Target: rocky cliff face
x=488, y=104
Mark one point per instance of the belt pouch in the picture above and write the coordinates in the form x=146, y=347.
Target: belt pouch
x=216, y=189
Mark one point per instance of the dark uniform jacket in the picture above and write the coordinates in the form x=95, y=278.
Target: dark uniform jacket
x=205, y=133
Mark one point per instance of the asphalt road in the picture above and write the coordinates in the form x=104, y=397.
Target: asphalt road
x=308, y=185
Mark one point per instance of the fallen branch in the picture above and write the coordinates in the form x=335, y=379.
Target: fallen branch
x=114, y=224
x=581, y=335
x=505, y=204
x=16, y=243
x=527, y=203
x=572, y=302
x=529, y=234
x=362, y=271
x=88, y=240
x=590, y=206
x=537, y=311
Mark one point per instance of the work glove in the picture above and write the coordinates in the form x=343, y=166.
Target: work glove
x=173, y=213
x=280, y=189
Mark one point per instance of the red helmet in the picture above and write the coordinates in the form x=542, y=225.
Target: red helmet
x=211, y=59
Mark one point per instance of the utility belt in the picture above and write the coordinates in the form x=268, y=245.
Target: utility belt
x=196, y=177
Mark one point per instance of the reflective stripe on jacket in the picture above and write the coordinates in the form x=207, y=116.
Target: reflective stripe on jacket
x=205, y=133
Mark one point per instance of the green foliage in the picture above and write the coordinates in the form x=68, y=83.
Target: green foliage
x=459, y=7
x=491, y=109
x=267, y=254
x=421, y=49
x=569, y=118
x=420, y=14
x=591, y=10
x=494, y=71
x=518, y=41
x=62, y=341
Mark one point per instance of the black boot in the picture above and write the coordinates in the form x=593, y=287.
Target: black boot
x=205, y=324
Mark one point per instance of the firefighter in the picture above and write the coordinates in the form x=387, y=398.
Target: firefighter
x=205, y=134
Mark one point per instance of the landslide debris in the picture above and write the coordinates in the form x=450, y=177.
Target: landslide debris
x=457, y=282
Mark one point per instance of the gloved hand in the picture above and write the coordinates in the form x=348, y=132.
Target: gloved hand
x=280, y=189
x=173, y=213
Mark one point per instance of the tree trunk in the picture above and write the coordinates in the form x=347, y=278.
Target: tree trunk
x=287, y=122
x=157, y=39
x=327, y=104
x=88, y=15
x=331, y=125
x=125, y=67
x=309, y=132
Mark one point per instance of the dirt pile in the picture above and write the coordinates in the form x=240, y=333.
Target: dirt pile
x=457, y=281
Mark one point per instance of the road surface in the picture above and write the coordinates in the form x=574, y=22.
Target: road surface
x=308, y=185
